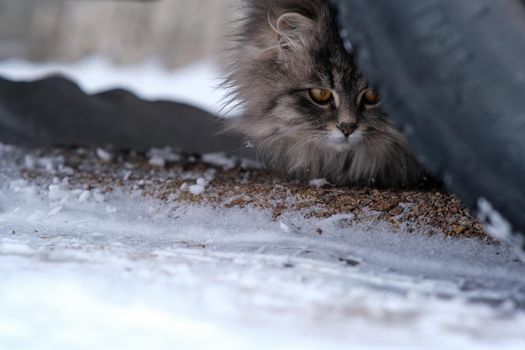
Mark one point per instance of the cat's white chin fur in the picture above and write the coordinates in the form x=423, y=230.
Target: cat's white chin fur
x=337, y=139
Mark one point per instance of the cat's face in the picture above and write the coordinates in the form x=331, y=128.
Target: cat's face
x=331, y=103
x=307, y=107
x=296, y=79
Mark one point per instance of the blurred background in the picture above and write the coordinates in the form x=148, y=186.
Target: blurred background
x=156, y=50
x=177, y=32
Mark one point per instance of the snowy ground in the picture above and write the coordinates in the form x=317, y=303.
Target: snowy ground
x=87, y=268
x=84, y=268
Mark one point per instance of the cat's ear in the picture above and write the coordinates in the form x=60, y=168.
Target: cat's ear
x=291, y=30
x=291, y=23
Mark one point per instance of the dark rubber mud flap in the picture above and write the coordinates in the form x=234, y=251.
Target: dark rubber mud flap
x=55, y=111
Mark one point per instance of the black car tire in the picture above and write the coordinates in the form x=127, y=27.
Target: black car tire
x=452, y=75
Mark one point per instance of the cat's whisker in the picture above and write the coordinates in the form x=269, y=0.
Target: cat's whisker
x=302, y=142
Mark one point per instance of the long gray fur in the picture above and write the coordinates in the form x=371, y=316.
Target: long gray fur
x=283, y=48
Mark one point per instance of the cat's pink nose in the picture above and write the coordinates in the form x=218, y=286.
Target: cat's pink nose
x=347, y=128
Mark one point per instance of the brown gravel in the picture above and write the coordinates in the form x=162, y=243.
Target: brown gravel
x=429, y=210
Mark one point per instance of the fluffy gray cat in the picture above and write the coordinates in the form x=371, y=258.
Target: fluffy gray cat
x=306, y=106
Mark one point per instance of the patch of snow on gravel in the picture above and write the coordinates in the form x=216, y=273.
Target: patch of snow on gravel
x=319, y=183
x=116, y=270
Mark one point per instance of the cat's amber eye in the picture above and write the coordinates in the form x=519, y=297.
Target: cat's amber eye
x=321, y=96
x=369, y=98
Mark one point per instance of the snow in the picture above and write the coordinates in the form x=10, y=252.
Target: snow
x=112, y=270
x=104, y=155
x=82, y=268
x=197, y=189
x=285, y=228
x=495, y=224
x=159, y=156
x=219, y=159
x=197, y=84
x=84, y=196
x=160, y=162
x=202, y=182
x=319, y=183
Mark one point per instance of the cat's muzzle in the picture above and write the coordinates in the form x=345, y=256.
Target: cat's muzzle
x=347, y=128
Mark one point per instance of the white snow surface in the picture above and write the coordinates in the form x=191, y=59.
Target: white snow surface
x=197, y=84
x=82, y=269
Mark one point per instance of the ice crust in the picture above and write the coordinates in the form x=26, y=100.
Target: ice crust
x=85, y=269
